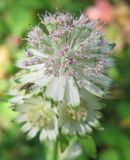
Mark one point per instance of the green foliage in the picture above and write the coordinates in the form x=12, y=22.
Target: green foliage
x=64, y=141
x=109, y=154
x=88, y=145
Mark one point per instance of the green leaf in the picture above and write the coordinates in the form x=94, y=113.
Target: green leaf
x=64, y=142
x=88, y=145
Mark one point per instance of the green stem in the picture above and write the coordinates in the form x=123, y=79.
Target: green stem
x=56, y=150
x=51, y=150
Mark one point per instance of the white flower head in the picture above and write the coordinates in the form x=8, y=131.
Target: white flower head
x=38, y=116
x=80, y=120
x=71, y=55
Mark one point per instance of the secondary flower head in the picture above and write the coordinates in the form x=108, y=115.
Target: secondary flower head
x=37, y=115
x=80, y=120
x=65, y=56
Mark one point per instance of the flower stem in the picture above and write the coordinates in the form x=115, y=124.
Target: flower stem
x=52, y=150
x=56, y=150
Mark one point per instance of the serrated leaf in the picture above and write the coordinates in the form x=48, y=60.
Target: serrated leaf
x=88, y=145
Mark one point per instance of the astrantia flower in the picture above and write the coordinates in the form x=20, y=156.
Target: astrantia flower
x=80, y=120
x=37, y=115
x=71, y=55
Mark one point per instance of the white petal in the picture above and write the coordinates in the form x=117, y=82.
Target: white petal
x=54, y=135
x=44, y=80
x=43, y=135
x=21, y=118
x=72, y=94
x=51, y=135
x=26, y=127
x=56, y=88
x=16, y=99
x=68, y=127
x=21, y=64
x=37, y=53
x=65, y=130
x=30, y=77
x=21, y=108
x=81, y=130
x=32, y=133
x=91, y=100
x=92, y=88
x=34, y=101
x=98, y=114
x=101, y=79
x=88, y=128
x=94, y=123
x=36, y=67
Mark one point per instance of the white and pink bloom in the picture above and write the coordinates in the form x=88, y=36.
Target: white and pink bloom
x=65, y=62
x=71, y=55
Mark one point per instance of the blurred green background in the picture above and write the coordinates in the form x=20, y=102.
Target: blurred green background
x=16, y=18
